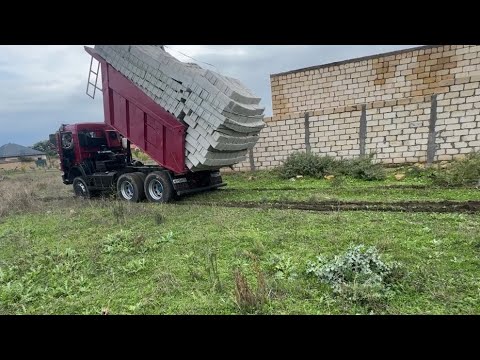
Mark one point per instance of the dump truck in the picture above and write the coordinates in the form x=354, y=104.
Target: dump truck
x=96, y=157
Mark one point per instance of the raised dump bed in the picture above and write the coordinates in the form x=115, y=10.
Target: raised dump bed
x=137, y=117
x=222, y=117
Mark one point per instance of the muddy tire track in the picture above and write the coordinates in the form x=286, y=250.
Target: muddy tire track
x=329, y=206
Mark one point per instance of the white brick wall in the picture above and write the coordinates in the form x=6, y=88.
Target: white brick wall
x=397, y=97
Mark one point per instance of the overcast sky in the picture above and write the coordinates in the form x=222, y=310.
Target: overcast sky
x=42, y=87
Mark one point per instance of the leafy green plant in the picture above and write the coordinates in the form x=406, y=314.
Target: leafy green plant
x=119, y=242
x=282, y=267
x=127, y=241
x=359, y=275
x=320, y=166
x=161, y=240
x=134, y=266
x=417, y=172
x=338, y=182
x=362, y=168
x=306, y=165
x=462, y=172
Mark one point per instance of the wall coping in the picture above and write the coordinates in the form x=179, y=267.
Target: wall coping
x=364, y=58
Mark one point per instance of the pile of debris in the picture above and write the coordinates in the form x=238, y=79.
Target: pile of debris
x=222, y=116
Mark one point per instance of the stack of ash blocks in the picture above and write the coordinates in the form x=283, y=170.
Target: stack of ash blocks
x=223, y=118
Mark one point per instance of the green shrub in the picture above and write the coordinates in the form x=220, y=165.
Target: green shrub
x=306, y=165
x=282, y=267
x=361, y=168
x=417, y=172
x=319, y=166
x=360, y=275
x=463, y=172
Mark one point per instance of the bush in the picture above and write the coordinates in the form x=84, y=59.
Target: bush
x=462, y=172
x=361, y=168
x=306, y=165
x=319, y=166
x=282, y=267
x=359, y=275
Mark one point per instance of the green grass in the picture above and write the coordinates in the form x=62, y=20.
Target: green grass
x=145, y=273
x=85, y=257
x=266, y=186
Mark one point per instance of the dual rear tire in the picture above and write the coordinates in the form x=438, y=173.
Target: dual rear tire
x=130, y=187
x=158, y=187
x=135, y=187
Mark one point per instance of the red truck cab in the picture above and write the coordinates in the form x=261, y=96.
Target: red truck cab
x=93, y=145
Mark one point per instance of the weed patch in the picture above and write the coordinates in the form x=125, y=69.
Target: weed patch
x=360, y=275
x=316, y=166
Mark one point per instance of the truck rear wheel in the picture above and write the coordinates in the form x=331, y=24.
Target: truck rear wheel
x=142, y=178
x=141, y=175
x=130, y=188
x=158, y=187
x=80, y=188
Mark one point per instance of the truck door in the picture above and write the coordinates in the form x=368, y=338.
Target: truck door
x=65, y=146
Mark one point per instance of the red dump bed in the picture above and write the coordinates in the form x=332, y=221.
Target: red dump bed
x=141, y=120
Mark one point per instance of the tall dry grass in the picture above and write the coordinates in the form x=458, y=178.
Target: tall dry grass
x=24, y=192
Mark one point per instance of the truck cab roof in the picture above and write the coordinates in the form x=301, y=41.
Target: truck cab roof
x=85, y=126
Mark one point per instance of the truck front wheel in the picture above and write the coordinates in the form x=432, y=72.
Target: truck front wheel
x=80, y=188
x=158, y=187
x=130, y=188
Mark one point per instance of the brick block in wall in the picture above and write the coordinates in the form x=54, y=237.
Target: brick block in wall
x=470, y=125
x=452, y=151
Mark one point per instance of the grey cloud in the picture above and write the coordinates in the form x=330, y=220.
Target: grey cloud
x=32, y=125
x=253, y=68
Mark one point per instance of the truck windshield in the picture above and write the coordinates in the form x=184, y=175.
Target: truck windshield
x=92, y=139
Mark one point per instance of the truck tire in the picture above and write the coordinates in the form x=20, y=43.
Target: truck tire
x=130, y=188
x=80, y=188
x=141, y=175
x=158, y=187
x=142, y=178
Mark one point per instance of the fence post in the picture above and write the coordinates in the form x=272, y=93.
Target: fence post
x=307, y=133
x=252, y=160
x=363, y=130
x=431, y=148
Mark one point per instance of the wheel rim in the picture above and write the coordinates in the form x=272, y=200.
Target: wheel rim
x=155, y=189
x=127, y=190
x=81, y=189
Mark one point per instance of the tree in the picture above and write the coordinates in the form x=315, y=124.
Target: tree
x=45, y=146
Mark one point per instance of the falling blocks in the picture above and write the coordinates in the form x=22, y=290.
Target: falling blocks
x=222, y=116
